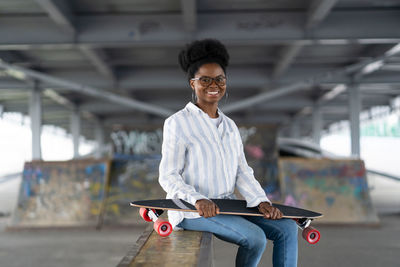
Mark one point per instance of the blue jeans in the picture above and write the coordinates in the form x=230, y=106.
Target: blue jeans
x=251, y=234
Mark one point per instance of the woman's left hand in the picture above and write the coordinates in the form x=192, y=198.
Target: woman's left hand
x=269, y=212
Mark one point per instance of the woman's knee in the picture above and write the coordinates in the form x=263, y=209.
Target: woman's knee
x=289, y=229
x=256, y=239
x=292, y=227
x=283, y=230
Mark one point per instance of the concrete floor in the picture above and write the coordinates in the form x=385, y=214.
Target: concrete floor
x=339, y=246
x=78, y=248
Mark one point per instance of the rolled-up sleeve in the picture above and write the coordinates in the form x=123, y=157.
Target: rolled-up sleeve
x=246, y=183
x=172, y=165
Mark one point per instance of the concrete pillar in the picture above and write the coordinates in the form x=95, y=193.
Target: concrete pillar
x=316, y=124
x=295, y=129
x=354, y=118
x=99, y=136
x=75, y=125
x=35, y=113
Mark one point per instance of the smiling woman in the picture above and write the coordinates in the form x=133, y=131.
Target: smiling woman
x=205, y=63
x=203, y=158
x=209, y=85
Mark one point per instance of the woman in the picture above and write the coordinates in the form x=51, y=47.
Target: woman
x=203, y=158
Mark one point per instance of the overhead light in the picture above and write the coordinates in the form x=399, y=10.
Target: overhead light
x=11, y=71
x=333, y=42
x=57, y=97
x=372, y=67
x=394, y=50
x=337, y=90
x=19, y=75
x=377, y=40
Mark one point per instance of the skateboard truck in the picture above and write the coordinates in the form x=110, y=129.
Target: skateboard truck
x=161, y=226
x=310, y=234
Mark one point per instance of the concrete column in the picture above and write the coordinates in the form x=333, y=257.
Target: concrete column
x=75, y=126
x=295, y=129
x=316, y=124
x=35, y=113
x=99, y=135
x=354, y=118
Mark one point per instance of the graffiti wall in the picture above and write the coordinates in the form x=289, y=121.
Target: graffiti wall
x=137, y=141
x=68, y=193
x=134, y=172
x=261, y=151
x=336, y=188
x=132, y=178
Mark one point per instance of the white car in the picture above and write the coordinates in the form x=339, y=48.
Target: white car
x=290, y=147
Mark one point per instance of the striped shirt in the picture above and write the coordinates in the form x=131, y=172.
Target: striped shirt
x=202, y=161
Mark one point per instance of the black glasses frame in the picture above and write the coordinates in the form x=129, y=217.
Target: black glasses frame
x=219, y=80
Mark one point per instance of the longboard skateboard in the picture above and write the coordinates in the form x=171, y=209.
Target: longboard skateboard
x=150, y=210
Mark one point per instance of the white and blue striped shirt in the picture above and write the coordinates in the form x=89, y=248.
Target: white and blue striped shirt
x=200, y=160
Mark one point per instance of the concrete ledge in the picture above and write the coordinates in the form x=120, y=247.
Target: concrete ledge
x=181, y=248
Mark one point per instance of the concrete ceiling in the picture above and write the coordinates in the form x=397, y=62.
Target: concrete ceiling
x=117, y=60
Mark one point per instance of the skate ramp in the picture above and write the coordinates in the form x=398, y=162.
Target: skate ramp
x=61, y=194
x=336, y=188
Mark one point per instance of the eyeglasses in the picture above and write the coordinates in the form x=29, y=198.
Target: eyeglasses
x=207, y=81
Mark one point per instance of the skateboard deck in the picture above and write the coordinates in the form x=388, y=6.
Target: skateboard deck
x=152, y=209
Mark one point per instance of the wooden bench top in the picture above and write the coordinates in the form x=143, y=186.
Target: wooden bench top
x=180, y=248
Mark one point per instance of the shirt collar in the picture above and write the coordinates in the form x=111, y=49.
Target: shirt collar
x=195, y=109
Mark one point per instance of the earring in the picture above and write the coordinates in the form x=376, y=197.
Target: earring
x=194, y=97
x=226, y=96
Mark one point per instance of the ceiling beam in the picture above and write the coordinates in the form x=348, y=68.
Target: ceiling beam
x=307, y=83
x=376, y=65
x=331, y=94
x=279, y=105
x=174, y=81
x=60, y=12
x=86, y=90
x=357, y=76
x=318, y=11
x=189, y=13
x=391, y=67
x=243, y=28
x=99, y=59
x=59, y=99
x=11, y=56
x=287, y=57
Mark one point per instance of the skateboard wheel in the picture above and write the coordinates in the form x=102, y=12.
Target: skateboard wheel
x=144, y=214
x=162, y=227
x=311, y=235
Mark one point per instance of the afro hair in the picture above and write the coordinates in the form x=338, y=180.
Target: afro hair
x=201, y=52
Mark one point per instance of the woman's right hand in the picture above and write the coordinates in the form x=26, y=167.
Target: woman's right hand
x=206, y=208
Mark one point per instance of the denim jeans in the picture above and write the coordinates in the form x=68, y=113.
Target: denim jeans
x=251, y=234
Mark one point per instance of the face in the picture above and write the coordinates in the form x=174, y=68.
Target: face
x=212, y=93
